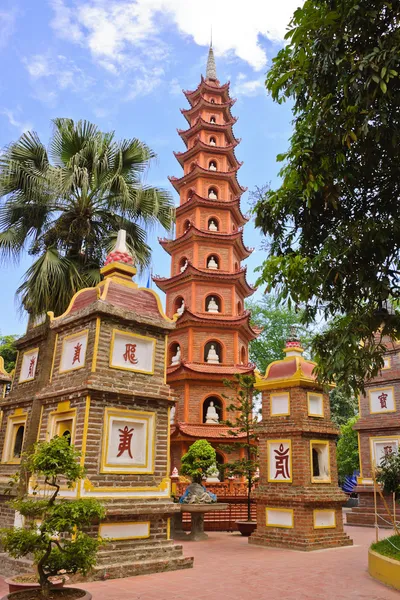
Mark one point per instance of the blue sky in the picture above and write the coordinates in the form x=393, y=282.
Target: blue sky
x=122, y=64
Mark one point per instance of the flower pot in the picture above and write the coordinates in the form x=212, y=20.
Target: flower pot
x=246, y=528
x=55, y=592
x=17, y=586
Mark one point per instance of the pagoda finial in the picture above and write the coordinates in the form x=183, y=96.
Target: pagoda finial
x=211, y=70
x=293, y=345
x=119, y=261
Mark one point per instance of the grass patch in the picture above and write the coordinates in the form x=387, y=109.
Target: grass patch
x=388, y=547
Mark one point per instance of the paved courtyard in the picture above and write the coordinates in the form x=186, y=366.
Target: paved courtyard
x=226, y=567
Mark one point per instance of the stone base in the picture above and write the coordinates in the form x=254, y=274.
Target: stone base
x=363, y=515
x=298, y=541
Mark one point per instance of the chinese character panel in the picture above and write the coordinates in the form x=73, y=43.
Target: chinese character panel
x=73, y=353
x=381, y=400
x=280, y=461
x=29, y=364
x=132, y=352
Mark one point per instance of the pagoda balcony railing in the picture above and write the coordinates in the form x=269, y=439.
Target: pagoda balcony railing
x=231, y=488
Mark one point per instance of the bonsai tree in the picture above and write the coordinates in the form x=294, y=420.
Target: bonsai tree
x=198, y=460
x=53, y=527
x=244, y=428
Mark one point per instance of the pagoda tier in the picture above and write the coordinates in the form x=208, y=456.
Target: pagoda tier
x=196, y=201
x=207, y=285
x=194, y=234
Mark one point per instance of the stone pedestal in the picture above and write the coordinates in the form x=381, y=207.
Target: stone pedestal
x=197, y=512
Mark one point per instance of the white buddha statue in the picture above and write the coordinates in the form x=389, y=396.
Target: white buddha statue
x=212, y=167
x=212, y=142
x=212, y=264
x=212, y=195
x=181, y=308
x=212, y=306
x=212, y=226
x=172, y=415
x=212, y=356
x=211, y=415
x=183, y=267
x=176, y=359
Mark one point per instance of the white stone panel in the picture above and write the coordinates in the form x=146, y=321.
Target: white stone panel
x=324, y=519
x=132, y=352
x=125, y=531
x=382, y=447
x=276, y=517
x=316, y=405
x=29, y=364
x=381, y=400
x=279, y=460
x=280, y=404
x=73, y=353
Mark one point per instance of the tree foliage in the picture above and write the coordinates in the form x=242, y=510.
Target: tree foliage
x=197, y=460
x=65, y=207
x=243, y=426
x=334, y=223
x=276, y=320
x=344, y=406
x=8, y=351
x=59, y=542
x=388, y=473
x=348, y=459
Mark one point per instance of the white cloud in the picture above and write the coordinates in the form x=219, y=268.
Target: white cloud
x=7, y=25
x=15, y=121
x=112, y=28
x=247, y=87
x=175, y=87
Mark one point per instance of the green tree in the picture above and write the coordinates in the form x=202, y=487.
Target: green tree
x=333, y=223
x=8, y=351
x=197, y=460
x=343, y=406
x=58, y=543
x=243, y=427
x=348, y=459
x=276, y=320
x=66, y=213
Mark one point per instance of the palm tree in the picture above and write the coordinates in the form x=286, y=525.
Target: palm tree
x=66, y=213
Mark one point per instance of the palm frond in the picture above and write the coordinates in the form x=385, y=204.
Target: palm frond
x=69, y=138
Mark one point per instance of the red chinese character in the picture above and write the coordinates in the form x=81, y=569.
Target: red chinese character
x=77, y=353
x=282, y=462
x=130, y=350
x=387, y=450
x=31, y=370
x=125, y=439
x=382, y=399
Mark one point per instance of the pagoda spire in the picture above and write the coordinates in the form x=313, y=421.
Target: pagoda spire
x=211, y=70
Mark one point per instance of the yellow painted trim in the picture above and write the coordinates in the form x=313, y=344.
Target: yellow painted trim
x=13, y=422
x=54, y=357
x=78, y=293
x=30, y=351
x=281, y=441
x=85, y=431
x=168, y=441
x=63, y=406
x=58, y=416
x=70, y=337
x=381, y=389
x=384, y=569
x=287, y=510
x=159, y=305
x=165, y=358
x=132, y=335
x=40, y=423
x=359, y=454
x=96, y=344
x=1, y=418
x=359, y=404
x=270, y=405
x=123, y=413
x=330, y=510
x=133, y=537
x=310, y=414
x=314, y=479
x=89, y=487
x=374, y=438
x=169, y=528
x=18, y=412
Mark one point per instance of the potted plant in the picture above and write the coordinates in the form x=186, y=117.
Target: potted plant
x=196, y=463
x=244, y=429
x=53, y=529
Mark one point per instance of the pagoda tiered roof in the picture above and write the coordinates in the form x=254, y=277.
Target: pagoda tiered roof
x=218, y=320
x=204, y=431
x=202, y=124
x=193, y=233
x=231, y=176
x=218, y=276
x=229, y=150
x=197, y=370
x=197, y=200
x=203, y=103
x=208, y=86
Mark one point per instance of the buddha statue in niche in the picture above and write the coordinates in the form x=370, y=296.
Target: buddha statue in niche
x=212, y=226
x=212, y=306
x=183, y=267
x=212, y=263
x=211, y=415
x=212, y=356
x=212, y=142
x=212, y=166
x=181, y=308
x=176, y=359
x=212, y=195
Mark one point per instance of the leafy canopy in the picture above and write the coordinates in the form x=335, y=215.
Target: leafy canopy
x=58, y=543
x=197, y=460
x=65, y=207
x=8, y=351
x=334, y=223
x=388, y=473
x=348, y=459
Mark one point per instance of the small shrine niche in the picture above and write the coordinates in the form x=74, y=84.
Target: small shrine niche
x=212, y=410
x=213, y=352
x=212, y=120
x=186, y=226
x=175, y=354
x=183, y=263
x=213, y=304
x=243, y=355
x=212, y=165
x=213, y=262
x=239, y=307
x=212, y=141
x=212, y=194
x=213, y=224
x=320, y=468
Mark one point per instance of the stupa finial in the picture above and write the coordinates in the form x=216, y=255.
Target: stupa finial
x=119, y=261
x=211, y=70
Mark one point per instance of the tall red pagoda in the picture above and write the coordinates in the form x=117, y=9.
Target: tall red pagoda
x=207, y=286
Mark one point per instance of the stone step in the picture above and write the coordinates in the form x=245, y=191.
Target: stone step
x=136, y=554
x=14, y=566
x=144, y=567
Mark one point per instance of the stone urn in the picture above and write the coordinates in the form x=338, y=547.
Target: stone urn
x=246, y=528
